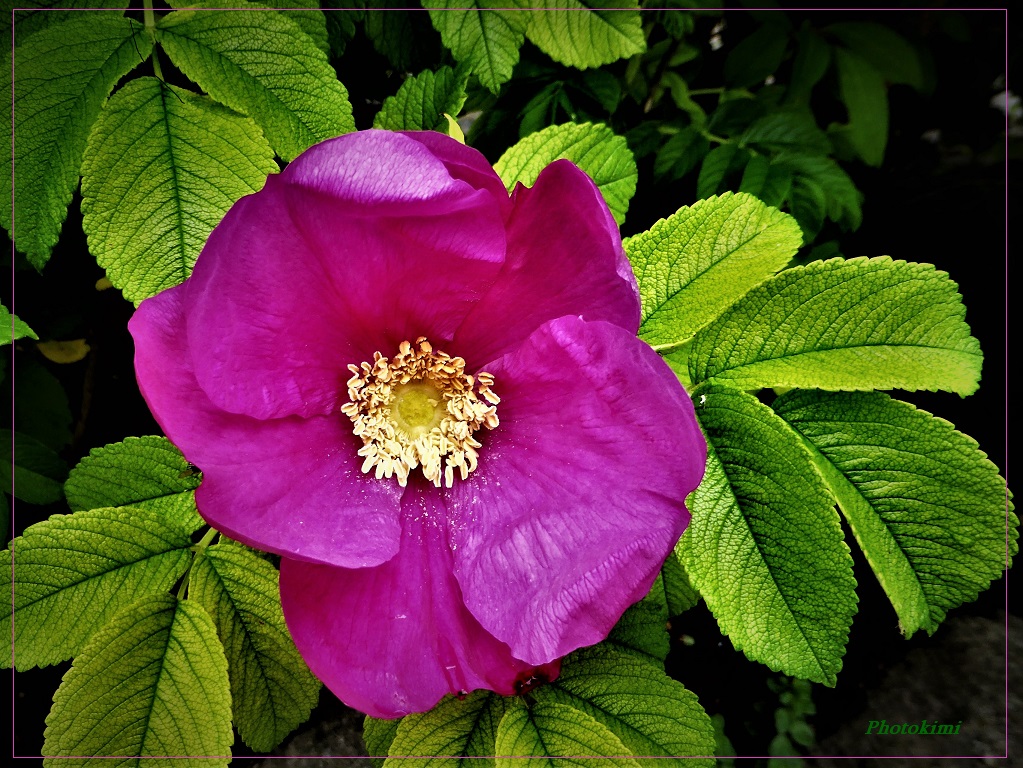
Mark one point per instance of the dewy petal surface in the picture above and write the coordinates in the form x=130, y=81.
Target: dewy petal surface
x=565, y=257
x=579, y=494
x=290, y=486
x=362, y=242
x=395, y=638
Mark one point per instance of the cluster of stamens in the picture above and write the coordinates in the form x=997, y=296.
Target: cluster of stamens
x=419, y=409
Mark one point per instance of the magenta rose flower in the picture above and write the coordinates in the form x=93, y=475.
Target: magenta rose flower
x=428, y=397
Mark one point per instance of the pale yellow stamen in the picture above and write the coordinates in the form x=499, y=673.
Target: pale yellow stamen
x=419, y=409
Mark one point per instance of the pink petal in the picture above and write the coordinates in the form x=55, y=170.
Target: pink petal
x=396, y=638
x=579, y=495
x=565, y=257
x=363, y=242
x=291, y=486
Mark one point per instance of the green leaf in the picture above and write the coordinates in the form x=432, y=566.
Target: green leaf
x=305, y=13
x=62, y=76
x=152, y=683
x=265, y=66
x=643, y=628
x=13, y=328
x=72, y=573
x=884, y=49
x=162, y=168
x=30, y=16
x=757, y=56
x=680, y=154
x=572, y=33
x=840, y=200
x=30, y=470
x=422, y=101
x=719, y=163
x=41, y=408
x=457, y=733
x=487, y=40
x=595, y=148
x=678, y=589
x=700, y=260
x=811, y=62
x=849, y=325
x=407, y=40
x=928, y=509
x=767, y=181
x=378, y=735
x=866, y=100
x=765, y=545
x=550, y=735
x=272, y=690
x=141, y=473
x=649, y=712
x=789, y=129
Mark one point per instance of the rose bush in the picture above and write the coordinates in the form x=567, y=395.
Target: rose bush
x=428, y=397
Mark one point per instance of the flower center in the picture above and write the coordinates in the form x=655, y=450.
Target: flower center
x=419, y=409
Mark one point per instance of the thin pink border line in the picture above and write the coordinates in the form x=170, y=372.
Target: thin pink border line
x=1005, y=468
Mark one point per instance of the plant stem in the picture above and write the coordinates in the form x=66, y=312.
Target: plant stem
x=150, y=22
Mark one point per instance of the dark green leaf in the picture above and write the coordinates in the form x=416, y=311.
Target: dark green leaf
x=884, y=49
x=30, y=470
x=866, y=100
x=756, y=57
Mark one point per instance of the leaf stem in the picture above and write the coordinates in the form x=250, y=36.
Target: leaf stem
x=150, y=22
x=205, y=540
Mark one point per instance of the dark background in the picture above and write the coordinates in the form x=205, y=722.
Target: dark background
x=942, y=199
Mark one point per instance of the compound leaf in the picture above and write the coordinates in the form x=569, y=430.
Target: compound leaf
x=927, y=508
x=272, y=690
x=262, y=65
x=605, y=157
x=701, y=259
x=765, y=546
x=62, y=76
x=844, y=325
x=152, y=683
x=162, y=168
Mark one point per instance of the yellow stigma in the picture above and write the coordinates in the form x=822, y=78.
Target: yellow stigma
x=419, y=409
